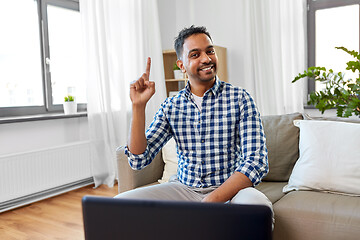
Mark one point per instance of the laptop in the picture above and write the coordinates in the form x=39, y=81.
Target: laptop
x=110, y=218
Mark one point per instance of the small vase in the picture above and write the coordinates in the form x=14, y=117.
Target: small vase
x=178, y=74
x=70, y=108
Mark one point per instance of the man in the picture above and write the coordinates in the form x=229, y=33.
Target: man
x=217, y=128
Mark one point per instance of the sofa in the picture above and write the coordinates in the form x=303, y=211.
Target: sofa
x=313, y=180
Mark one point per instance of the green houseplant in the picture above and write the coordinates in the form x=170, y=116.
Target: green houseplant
x=178, y=74
x=69, y=98
x=176, y=67
x=70, y=106
x=339, y=93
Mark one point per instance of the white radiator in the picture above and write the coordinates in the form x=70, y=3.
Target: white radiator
x=29, y=173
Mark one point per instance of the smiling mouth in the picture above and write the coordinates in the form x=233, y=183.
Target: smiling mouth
x=207, y=69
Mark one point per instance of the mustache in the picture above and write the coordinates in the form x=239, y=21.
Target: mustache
x=207, y=65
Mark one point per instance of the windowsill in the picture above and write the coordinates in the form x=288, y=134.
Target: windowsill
x=40, y=117
x=309, y=107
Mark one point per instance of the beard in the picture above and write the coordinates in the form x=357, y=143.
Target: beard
x=206, y=73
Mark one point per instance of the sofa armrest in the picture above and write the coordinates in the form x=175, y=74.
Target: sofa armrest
x=130, y=179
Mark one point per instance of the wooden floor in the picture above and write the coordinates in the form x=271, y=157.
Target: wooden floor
x=59, y=217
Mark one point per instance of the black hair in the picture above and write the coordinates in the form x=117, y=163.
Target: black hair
x=184, y=34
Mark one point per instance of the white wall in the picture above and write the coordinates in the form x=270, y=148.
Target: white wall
x=41, y=155
x=167, y=19
x=37, y=135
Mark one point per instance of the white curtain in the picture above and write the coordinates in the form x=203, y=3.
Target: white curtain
x=119, y=35
x=276, y=37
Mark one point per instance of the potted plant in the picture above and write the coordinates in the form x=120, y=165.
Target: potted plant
x=178, y=74
x=340, y=93
x=70, y=106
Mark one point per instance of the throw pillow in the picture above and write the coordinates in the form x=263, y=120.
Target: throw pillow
x=282, y=142
x=170, y=159
x=329, y=158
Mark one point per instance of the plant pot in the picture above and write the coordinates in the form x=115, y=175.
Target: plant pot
x=178, y=74
x=70, y=108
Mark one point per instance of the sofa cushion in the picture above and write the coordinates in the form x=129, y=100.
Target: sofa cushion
x=169, y=157
x=329, y=158
x=282, y=141
x=272, y=190
x=316, y=215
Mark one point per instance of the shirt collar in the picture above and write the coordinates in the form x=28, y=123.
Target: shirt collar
x=215, y=89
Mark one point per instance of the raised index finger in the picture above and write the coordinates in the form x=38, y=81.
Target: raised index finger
x=148, y=65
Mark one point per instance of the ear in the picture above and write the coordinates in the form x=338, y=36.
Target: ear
x=180, y=64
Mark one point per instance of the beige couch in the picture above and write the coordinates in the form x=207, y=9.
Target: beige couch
x=298, y=214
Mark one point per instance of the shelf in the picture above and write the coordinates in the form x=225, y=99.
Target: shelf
x=169, y=51
x=176, y=80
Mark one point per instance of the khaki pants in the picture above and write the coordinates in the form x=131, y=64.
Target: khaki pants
x=176, y=191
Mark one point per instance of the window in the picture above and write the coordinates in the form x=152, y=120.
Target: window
x=40, y=56
x=332, y=23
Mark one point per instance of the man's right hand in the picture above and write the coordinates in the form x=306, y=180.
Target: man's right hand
x=142, y=90
x=140, y=93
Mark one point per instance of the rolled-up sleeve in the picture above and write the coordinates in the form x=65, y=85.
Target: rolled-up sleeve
x=254, y=156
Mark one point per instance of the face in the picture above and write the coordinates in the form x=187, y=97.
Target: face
x=198, y=59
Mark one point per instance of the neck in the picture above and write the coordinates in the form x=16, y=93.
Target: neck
x=199, y=88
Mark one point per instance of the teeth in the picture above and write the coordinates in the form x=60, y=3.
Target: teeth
x=205, y=69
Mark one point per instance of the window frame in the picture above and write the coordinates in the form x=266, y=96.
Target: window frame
x=313, y=6
x=48, y=106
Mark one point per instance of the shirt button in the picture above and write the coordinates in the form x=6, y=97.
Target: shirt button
x=202, y=161
x=202, y=141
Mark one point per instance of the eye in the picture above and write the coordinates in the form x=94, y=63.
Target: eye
x=194, y=55
x=211, y=51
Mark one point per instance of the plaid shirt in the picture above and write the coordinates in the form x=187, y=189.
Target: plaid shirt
x=225, y=136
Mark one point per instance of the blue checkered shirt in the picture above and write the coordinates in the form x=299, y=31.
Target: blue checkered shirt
x=225, y=136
